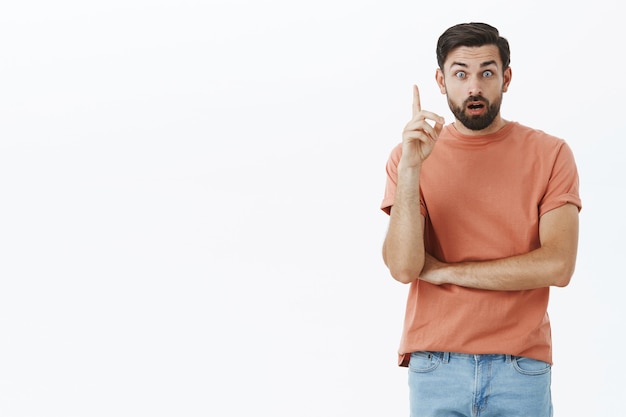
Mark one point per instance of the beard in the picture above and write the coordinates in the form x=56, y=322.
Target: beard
x=476, y=122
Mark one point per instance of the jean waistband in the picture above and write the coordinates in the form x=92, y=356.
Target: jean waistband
x=446, y=356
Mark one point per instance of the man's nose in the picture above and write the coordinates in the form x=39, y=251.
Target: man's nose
x=474, y=87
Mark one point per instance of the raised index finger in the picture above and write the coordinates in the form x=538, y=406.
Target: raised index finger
x=417, y=106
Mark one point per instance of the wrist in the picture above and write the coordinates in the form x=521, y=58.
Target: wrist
x=409, y=172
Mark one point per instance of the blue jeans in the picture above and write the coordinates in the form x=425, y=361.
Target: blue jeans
x=445, y=384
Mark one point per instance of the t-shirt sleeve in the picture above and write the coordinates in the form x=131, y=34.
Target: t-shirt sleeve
x=563, y=185
x=392, y=182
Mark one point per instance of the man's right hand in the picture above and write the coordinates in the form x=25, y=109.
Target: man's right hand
x=418, y=136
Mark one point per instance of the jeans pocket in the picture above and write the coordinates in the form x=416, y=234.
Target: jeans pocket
x=528, y=366
x=424, y=361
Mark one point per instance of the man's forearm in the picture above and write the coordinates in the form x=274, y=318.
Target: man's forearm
x=403, y=249
x=550, y=265
x=535, y=269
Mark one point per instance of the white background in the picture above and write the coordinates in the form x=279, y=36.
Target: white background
x=189, y=200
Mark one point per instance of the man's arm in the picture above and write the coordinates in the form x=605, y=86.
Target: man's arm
x=552, y=264
x=403, y=249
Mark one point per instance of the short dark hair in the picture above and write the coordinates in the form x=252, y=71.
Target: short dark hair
x=472, y=34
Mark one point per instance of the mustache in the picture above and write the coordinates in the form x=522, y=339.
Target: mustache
x=473, y=99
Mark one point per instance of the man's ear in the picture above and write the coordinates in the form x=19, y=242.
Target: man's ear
x=441, y=81
x=508, y=74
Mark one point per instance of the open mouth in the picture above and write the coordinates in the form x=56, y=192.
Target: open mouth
x=476, y=107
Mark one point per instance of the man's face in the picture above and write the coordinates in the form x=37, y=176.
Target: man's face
x=474, y=82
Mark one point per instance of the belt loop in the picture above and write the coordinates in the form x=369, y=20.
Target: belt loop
x=446, y=357
x=508, y=358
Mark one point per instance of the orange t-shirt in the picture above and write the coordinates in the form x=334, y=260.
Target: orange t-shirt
x=482, y=198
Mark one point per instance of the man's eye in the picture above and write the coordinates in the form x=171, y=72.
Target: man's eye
x=488, y=74
x=460, y=74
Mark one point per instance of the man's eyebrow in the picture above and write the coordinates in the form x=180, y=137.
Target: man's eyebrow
x=484, y=64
